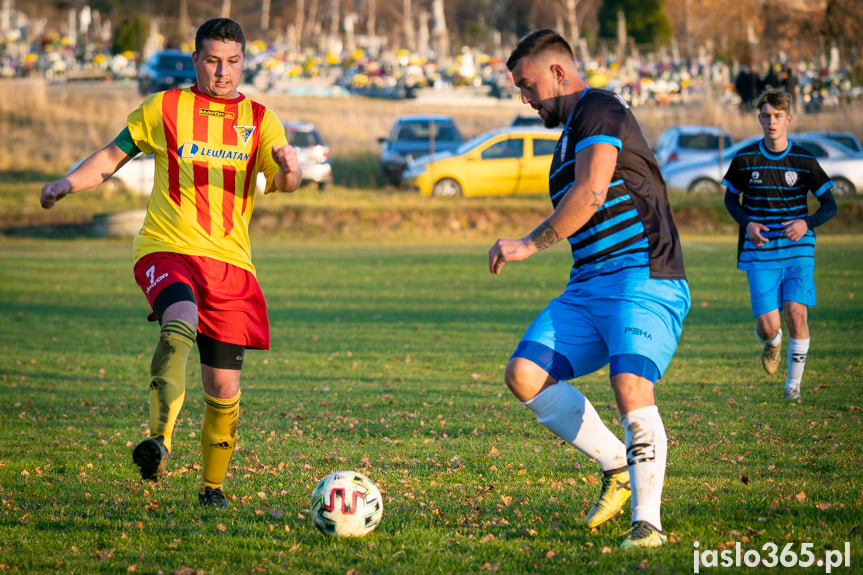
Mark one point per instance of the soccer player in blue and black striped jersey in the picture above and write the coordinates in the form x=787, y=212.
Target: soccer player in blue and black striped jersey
x=768, y=184
x=627, y=293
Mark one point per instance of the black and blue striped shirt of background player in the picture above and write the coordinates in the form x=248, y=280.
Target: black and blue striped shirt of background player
x=633, y=233
x=775, y=189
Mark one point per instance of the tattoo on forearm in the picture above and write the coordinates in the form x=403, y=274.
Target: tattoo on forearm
x=544, y=236
x=598, y=198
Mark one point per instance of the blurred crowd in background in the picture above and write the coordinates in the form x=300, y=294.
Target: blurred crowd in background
x=642, y=79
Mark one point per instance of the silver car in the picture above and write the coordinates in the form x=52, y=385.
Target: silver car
x=689, y=143
x=843, y=165
x=312, y=152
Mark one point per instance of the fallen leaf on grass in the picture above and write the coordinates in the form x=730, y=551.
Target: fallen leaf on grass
x=801, y=497
x=491, y=566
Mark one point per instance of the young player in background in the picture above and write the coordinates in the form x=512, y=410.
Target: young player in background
x=768, y=183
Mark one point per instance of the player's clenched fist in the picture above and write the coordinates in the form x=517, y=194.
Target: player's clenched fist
x=53, y=191
x=286, y=158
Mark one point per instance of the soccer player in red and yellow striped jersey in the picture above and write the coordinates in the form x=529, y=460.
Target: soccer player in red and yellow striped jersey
x=192, y=254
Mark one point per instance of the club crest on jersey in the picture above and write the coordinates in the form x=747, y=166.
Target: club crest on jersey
x=187, y=150
x=790, y=178
x=245, y=132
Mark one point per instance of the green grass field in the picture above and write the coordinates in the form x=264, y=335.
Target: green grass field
x=388, y=359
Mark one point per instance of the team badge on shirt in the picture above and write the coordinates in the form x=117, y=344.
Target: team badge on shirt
x=245, y=132
x=790, y=178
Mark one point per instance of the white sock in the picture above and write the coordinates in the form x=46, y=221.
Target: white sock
x=646, y=452
x=773, y=341
x=565, y=411
x=797, y=351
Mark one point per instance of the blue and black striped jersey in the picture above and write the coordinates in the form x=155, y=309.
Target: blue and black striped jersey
x=633, y=232
x=775, y=189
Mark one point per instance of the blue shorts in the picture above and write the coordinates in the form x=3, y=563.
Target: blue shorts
x=768, y=288
x=634, y=324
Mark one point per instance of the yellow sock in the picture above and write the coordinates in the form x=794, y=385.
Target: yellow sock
x=218, y=438
x=168, y=377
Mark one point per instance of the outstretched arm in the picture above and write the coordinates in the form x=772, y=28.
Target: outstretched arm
x=94, y=170
x=593, y=172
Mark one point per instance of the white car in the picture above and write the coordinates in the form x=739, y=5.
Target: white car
x=690, y=143
x=842, y=164
x=847, y=139
x=138, y=176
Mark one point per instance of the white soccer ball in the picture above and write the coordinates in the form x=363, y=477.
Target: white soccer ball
x=346, y=504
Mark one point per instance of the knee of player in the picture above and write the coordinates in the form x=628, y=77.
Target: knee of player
x=523, y=379
x=796, y=317
x=514, y=374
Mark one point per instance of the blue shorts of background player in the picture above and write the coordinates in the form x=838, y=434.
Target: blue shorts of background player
x=633, y=324
x=768, y=288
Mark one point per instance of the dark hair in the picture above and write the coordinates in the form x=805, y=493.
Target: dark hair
x=537, y=42
x=776, y=97
x=223, y=29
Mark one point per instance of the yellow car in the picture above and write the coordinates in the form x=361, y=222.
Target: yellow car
x=512, y=160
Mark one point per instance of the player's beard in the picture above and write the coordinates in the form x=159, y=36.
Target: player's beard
x=554, y=117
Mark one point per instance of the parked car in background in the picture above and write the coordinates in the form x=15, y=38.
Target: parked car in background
x=531, y=120
x=847, y=139
x=688, y=143
x=843, y=165
x=166, y=69
x=312, y=152
x=137, y=175
x=511, y=160
x=415, y=135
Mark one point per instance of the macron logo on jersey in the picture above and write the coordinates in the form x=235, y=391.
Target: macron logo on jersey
x=621, y=100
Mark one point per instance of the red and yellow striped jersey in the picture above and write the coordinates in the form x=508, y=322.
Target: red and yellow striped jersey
x=208, y=153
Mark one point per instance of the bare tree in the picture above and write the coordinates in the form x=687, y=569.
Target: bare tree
x=335, y=20
x=408, y=25
x=300, y=22
x=265, y=15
